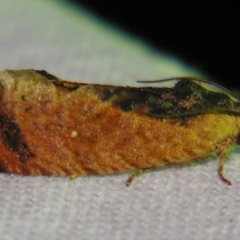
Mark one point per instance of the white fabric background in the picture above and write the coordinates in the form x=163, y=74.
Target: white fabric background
x=175, y=203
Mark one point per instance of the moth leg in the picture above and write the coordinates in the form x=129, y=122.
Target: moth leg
x=134, y=175
x=224, y=150
x=220, y=173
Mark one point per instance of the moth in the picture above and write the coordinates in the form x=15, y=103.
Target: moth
x=58, y=128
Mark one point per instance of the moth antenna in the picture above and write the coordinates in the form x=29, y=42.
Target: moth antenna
x=164, y=80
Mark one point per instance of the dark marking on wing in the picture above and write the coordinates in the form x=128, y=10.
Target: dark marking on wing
x=46, y=74
x=11, y=135
x=71, y=86
x=186, y=98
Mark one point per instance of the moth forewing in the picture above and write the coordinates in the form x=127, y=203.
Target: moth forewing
x=53, y=127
